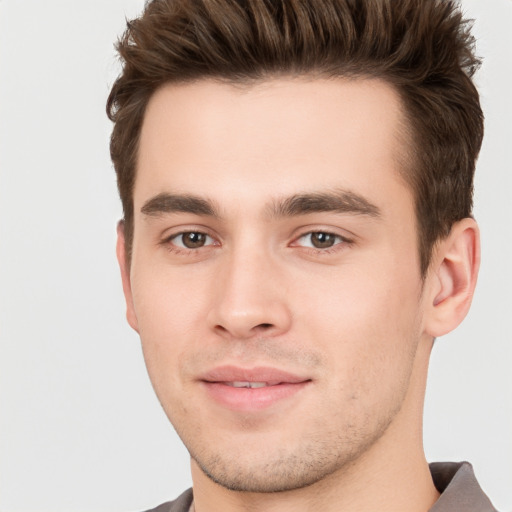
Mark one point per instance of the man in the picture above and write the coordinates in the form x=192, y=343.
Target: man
x=296, y=179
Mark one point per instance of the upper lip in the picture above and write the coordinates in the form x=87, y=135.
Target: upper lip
x=269, y=375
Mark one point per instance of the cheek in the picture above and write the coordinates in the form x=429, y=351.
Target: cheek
x=366, y=324
x=169, y=308
x=167, y=301
x=374, y=301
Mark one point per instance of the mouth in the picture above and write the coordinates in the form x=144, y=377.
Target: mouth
x=245, y=390
x=247, y=384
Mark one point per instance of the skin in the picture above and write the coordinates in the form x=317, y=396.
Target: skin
x=353, y=317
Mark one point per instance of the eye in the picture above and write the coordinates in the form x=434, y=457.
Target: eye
x=191, y=240
x=319, y=240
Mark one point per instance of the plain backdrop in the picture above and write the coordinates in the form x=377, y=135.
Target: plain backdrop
x=80, y=428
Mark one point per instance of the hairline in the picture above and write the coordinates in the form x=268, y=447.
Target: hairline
x=406, y=158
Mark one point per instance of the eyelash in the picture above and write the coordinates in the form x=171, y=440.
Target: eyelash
x=172, y=247
x=340, y=241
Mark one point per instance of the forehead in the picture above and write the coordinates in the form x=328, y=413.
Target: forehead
x=274, y=137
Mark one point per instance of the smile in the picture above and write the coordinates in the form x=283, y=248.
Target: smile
x=252, y=390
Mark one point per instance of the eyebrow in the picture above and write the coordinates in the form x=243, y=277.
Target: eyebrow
x=338, y=201
x=178, y=203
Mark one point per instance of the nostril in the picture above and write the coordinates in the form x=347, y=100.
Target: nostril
x=265, y=326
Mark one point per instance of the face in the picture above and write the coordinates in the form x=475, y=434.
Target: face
x=275, y=276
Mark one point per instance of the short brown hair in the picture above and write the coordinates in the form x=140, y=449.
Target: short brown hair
x=421, y=47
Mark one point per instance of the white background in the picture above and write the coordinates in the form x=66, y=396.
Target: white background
x=80, y=429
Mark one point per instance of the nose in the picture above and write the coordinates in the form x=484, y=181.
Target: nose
x=250, y=298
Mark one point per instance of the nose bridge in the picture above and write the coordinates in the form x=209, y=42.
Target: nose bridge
x=250, y=298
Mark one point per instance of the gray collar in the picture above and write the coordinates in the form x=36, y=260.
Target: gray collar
x=459, y=489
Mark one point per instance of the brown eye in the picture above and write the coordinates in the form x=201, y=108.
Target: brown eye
x=323, y=240
x=320, y=240
x=192, y=240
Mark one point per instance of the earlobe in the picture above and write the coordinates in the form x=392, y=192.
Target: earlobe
x=452, y=278
x=125, y=276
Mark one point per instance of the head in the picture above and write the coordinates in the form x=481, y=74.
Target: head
x=296, y=180
x=424, y=50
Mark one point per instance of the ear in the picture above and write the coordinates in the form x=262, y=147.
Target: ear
x=125, y=276
x=452, y=278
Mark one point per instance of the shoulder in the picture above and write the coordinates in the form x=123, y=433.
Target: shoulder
x=180, y=504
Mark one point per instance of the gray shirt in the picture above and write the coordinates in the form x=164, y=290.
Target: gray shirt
x=455, y=481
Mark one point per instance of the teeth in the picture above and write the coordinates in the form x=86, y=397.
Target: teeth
x=258, y=384
x=245, y=384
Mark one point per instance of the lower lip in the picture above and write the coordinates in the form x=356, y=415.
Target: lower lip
x=252, y=399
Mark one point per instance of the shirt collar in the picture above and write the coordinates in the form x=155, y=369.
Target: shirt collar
x=459, y=489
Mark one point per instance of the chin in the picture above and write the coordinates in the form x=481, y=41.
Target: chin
x=280, y=470
x=267, y=479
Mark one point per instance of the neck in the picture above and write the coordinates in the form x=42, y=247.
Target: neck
x=391, y=475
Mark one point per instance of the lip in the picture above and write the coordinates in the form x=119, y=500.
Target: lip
x=281, y=386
